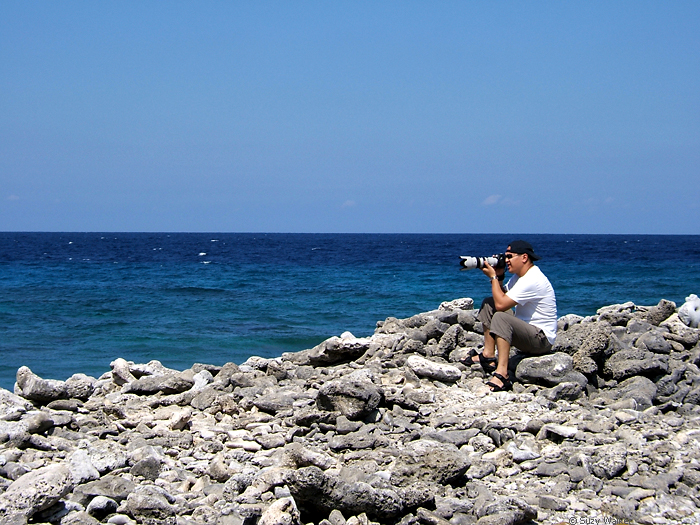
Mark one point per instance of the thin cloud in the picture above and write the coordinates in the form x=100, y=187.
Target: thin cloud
x=500, y=200
x=349, y=204
x=508, y=201
x=13, y=198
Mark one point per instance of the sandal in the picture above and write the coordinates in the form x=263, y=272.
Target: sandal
x=488, y=364
x=506, y=384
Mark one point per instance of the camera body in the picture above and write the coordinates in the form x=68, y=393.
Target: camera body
x=468, y=263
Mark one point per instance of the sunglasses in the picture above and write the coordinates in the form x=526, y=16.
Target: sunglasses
x=511, y=255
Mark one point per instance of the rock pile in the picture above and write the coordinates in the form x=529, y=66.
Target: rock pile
x=388, y=429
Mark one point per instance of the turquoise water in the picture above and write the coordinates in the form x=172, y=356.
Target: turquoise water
x=74, y=302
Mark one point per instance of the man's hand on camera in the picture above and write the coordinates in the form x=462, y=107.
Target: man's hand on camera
x=489, y=271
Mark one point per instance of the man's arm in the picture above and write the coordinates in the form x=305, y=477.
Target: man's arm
x=500, y=300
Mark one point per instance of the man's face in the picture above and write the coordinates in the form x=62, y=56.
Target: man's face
x=514, y=261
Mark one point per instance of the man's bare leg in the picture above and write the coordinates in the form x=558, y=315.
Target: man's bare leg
x=503, y=356
x=489, y=347
x=489, y=344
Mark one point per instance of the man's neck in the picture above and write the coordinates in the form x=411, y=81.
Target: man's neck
x=525, y=269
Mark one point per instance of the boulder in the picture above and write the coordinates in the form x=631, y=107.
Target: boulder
x=101, y=506
x=334, y=350
x=353, y=398
x=591, y=349
x=150, y=501
x=506, y=511
x=680, y=332
x=80, y=386
x=639, y=389
x=453, y=337
x=464, y=303
x=655, y=342
x=37, y=490
x=282, y=512
x=321, y=492
x=115, y=487
x=170, y=383
x=634, y=362
x=13, y=406
x=609, y=461
x=121, y=374
x=423, y=367
x=32, y=387
x=107, y=456
x=617, y=314
x=551, y=370
x=659, y=313
x=429, y=461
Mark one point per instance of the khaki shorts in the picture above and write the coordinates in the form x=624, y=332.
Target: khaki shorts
x=523, y=336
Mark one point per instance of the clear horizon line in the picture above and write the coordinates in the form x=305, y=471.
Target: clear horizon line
x=193, y=232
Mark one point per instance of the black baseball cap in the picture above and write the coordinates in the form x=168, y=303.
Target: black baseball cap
x=523, y=247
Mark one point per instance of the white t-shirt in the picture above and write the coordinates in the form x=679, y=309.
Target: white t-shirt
x=536, y=302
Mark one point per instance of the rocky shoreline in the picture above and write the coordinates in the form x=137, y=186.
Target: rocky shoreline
x=388, y=429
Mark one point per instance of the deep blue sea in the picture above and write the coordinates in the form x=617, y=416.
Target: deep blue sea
x=74, y=302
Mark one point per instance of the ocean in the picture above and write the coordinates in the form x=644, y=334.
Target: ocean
x=73, y=302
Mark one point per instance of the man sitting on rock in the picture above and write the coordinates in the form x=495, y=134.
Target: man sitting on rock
x=531, y=328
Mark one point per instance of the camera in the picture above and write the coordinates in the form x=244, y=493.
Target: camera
x=469, y=263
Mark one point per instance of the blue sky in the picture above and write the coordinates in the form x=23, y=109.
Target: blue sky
x=339, y=116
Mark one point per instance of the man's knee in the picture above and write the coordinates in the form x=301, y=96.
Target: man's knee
x=502, y=318
x=501, y=326
x=488, y=301
x=487, y=310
